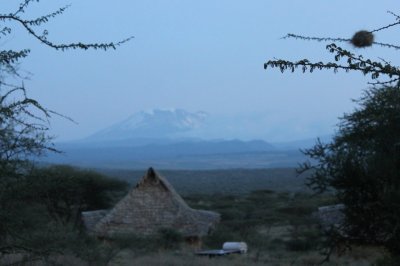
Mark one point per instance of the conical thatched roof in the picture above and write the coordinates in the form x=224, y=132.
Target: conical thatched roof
x=151, y=205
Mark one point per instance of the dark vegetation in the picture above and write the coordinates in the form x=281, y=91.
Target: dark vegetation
x=361, y=163
x=40, y=213
x=39, y=207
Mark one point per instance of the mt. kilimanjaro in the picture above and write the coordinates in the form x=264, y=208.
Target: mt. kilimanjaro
x=154, y=124
x=171, y=139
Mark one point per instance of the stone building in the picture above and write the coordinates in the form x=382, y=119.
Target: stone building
x=153, y=204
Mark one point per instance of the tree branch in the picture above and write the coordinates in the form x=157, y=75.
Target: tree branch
x=27, y=25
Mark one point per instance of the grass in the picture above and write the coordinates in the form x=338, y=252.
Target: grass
x=358, y=257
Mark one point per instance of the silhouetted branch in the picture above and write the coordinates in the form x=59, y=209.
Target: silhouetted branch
x=353, y=63
x=330, y=39
x=318, y=39
x=27, y=25
x=386, y=27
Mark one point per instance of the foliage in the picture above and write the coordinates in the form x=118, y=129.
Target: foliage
x=24, y=124
x=23, y=121
x=20, y=138
x=362, y=165
x=362, y=162
x=31, y=25
x=388, y=261
x=66, y=191
x=170, y=238
x=346, y=60
x=51, y=221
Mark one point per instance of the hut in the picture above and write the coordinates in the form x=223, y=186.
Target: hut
x=152, y=205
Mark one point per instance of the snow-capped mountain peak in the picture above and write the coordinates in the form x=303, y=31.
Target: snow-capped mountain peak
x=156, y=123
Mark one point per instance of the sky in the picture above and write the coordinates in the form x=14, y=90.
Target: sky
x=199, y=56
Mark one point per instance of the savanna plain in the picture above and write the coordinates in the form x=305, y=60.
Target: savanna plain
x=269, y=209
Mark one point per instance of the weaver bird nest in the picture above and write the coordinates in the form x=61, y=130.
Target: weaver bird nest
x=362, y=39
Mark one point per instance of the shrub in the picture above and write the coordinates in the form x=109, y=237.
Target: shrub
x=170, y=238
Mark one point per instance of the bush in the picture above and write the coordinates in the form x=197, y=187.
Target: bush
x=170, y=238
x=388, y=261
x=298, y=244
x=67, y=191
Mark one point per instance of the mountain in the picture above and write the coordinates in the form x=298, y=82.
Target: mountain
x=177, y=139
x=154, y=124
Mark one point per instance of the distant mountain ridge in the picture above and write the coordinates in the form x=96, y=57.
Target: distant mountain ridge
x=166, y=139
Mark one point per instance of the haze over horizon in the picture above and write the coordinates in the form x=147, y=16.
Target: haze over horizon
x=199, y=56
x=179, y=124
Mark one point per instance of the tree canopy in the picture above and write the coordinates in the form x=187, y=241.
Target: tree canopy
x=39, y=208
x=361, y=164
x=346, y=60
x=24, y=122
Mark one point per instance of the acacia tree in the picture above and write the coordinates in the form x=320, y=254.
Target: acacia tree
x=24, y=126
x=346, y=60
x=362, y=162
x=23, y=120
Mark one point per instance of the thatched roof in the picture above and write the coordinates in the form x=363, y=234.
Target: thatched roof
x=151, y=205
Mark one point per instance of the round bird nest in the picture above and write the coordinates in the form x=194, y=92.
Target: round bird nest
x=362, y=39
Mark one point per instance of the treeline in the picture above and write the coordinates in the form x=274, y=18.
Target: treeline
x=222, y=181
